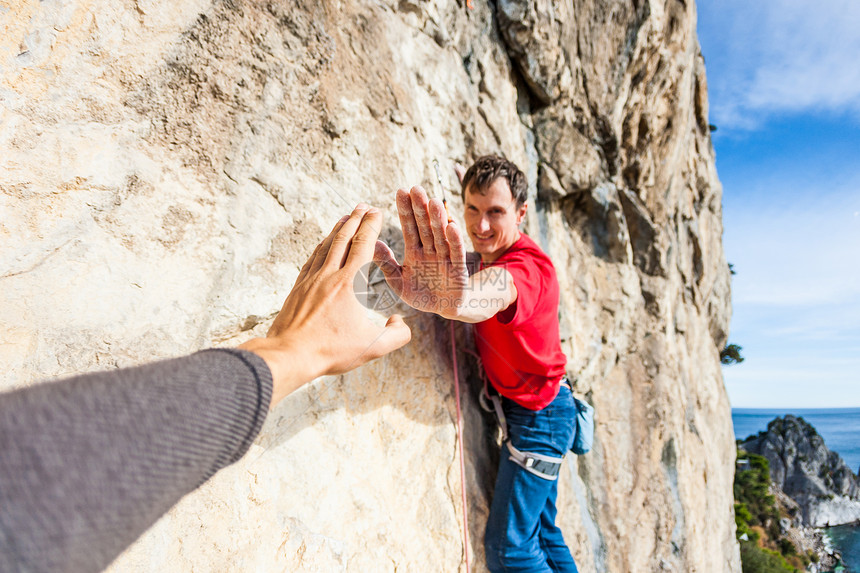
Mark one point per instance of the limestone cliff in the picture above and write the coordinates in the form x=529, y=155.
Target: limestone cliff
x=803, y=467
x=167, y=167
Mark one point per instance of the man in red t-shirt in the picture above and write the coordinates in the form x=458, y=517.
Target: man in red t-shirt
x=512, y=297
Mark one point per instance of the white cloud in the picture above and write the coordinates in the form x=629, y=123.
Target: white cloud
x=780, y=56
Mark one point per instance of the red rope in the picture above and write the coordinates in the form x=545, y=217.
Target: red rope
x=462, y=447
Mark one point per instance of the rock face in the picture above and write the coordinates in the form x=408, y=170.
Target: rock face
x=801, y=465
x=168, y=166
x=805, y=538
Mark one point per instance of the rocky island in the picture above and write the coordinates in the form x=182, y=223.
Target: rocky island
x=818, y=480
x=788, y=486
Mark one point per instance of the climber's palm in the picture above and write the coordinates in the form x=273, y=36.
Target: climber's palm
x=433, y=276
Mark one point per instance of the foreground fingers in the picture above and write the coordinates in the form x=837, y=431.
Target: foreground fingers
x=317, y=258
x=394, y=335
x=338, y=241
x=364, y=242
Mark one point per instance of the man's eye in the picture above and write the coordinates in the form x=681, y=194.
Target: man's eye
x=471, y=208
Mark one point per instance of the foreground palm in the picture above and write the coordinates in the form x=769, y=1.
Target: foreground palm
x=433, y=276
x=322, y=328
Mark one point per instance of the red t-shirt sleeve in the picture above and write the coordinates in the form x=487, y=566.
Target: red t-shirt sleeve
x=527, y=279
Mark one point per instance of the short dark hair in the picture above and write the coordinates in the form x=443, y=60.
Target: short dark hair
x=486, y=169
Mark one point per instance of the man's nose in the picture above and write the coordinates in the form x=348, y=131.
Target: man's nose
x=483, y=224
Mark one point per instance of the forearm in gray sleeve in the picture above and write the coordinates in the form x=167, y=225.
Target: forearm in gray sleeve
x=89, y=463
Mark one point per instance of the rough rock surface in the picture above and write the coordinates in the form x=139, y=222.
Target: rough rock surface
x=802, y=466
x=805, y=538
x=167, y=167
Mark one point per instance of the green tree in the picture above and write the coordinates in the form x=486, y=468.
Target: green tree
x=731, y=354
x=755, y=506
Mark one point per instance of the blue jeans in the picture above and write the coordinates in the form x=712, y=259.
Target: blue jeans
x=521, y=532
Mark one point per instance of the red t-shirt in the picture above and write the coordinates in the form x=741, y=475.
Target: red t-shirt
x=520, y=346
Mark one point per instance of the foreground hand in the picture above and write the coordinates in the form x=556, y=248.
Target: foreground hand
x=433, y=276
x=322, y=328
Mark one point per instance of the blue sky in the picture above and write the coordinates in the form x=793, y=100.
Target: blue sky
x=784, y=89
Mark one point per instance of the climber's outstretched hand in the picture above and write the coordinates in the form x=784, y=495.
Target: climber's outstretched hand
x=433, y=276
x=322, y=327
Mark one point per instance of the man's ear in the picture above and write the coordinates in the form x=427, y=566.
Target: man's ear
x=521, y=213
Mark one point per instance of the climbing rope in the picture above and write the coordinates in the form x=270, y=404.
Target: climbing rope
x=462, y=448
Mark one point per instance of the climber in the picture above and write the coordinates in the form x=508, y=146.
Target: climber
x=89, y=463
x=508, y=288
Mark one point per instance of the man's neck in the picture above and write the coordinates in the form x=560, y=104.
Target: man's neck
x=495, y=256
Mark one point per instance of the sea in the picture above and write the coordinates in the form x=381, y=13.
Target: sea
x=840, y=428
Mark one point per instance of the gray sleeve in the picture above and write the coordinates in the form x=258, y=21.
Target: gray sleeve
x=89, y=463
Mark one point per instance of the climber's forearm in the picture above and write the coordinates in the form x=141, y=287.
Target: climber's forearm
x=490, y=291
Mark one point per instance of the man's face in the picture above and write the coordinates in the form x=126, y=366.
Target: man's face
x=492, y=219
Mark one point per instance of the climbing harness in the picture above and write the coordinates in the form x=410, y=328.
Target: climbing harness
x=541, y=465
x=546, y=467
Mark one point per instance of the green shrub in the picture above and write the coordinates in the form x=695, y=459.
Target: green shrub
x=757, y=560
x=742, y=514
x=731, y=354
x=786, y=547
